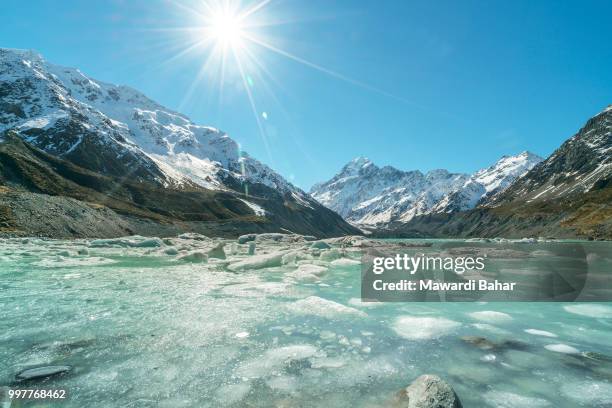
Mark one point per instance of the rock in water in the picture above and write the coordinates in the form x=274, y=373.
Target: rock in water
x=41, y=372
x=428, y=391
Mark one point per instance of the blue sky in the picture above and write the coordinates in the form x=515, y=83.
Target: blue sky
x=428, y=84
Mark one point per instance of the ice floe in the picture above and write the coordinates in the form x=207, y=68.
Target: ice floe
x=543, y=333
x=421, y=328
x=491, y=316
x=314, y=305
x=562, y=348
x=590, y=310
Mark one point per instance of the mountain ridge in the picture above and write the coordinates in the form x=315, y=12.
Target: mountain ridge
x=372, y=196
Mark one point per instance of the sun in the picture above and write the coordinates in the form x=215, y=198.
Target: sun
x=227, y=29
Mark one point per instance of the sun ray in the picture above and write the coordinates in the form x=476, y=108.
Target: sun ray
x=253, y=107
x=324, y=70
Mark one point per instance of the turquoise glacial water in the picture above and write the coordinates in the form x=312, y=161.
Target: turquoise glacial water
x=142, y=327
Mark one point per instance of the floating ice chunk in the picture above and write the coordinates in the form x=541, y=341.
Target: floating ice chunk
x=491, y=316
x=135, y=241
x=320, y=245
x=309, y=273
x=590, y=310
x=327, y=335
x=345, y=262
x=360, y=303
x=217, y=251
x=272, y=361
x=171, y=251
x=61, y=262
x=537, y=332
x=194, y=257
x=491, y=329
x=330, y=255
x=289, y=258
x=283, y=383
x=327, y=362
x=589, y=393
x=502, y=399
x=419, y=328
x=488, y=358
x=258, y=262
x=42, y=372
x=314, y=305
x=562, y=348
x=243, y=239
x=233, y=393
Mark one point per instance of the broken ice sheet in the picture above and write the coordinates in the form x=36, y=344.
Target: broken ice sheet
x=258, y=327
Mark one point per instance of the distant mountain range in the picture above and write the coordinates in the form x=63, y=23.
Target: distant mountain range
x=567, y=195
x=114, y=135
x=371, y=196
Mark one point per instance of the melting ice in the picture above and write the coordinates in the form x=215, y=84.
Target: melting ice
x=277, y=320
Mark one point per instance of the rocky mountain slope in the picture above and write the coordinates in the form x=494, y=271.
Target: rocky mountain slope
x=582, y=163
x=374, y=197
x=567, y=195
x=116, y=132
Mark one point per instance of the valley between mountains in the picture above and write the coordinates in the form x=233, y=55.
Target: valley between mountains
x=84, y=158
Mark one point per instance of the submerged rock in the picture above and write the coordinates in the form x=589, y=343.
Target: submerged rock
x=42, y=372
x=480, y=342
x=427, y=391
x=485, y=344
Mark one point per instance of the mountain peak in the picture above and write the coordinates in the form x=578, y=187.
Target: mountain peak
x=360, y=161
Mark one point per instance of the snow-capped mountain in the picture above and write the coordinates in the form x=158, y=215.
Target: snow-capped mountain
x=118, y=132
x=371, y=196
x=486, y=183
x=39, y=96
x=568, y=195
x=66, y=113
x=366, y=194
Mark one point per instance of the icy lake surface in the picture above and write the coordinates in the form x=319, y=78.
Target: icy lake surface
x=277, y=322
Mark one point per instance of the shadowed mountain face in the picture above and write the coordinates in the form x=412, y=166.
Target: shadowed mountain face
x=567, y=195
x=68, y=135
